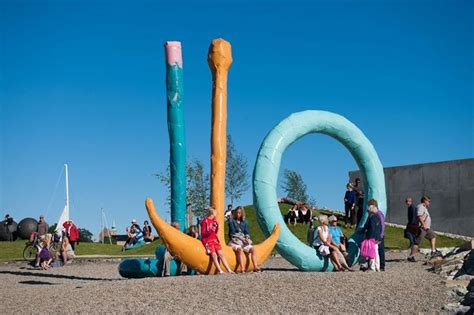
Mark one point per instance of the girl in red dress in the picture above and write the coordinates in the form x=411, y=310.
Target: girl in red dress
x=209, y=228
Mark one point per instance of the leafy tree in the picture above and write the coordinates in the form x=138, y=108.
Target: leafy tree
x=85, y=235
x=52, y=228
x=236, y=179
x=294, y=186
x=197, y=186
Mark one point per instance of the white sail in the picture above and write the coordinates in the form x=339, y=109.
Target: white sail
x=63, y=218
x=65, y=214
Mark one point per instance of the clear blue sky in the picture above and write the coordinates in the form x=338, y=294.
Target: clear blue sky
x=84, y=83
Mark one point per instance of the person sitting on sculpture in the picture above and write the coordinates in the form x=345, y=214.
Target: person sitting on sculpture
x=147, y=232
x=337, y=236
x=66, y=253
x=304, y=214
x=45, y=256
x=239, y=239
x=193, y=232
x=323, y=244
x=209, y=229
x=168, y=257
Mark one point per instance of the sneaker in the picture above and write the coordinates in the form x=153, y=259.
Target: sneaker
x=436, y=253
x=411, y=259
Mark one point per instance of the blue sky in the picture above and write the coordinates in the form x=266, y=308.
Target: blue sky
x=83, y=82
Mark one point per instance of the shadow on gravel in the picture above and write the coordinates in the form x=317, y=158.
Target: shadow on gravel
x=33, y=282
x=57, y=276
x=282, y=269
x=395, y=260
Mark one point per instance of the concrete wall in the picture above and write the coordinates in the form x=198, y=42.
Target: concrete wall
x=449, y=184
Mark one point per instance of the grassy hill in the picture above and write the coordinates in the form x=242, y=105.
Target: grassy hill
x=393, y=240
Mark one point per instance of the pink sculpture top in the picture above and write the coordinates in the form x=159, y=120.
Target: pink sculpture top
x=173, y=53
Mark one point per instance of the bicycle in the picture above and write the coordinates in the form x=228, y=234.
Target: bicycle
x=33, y=247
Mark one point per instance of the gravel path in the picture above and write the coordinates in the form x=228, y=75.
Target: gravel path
x=97, y=287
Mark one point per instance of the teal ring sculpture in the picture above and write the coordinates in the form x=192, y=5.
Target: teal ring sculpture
x=265, y=177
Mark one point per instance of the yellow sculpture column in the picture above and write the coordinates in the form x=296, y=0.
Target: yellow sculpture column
x=219, y=60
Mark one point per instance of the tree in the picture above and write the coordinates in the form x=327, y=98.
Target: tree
x=236, y=179
x=197, y=186
x=52, y=228
x=294, y=186
x=85, y=235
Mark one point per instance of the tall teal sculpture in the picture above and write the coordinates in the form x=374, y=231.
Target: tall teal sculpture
x=266, y=170
x=175, y=109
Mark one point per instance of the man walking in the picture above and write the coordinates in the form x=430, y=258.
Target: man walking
x=413, y=226
x=425, y=228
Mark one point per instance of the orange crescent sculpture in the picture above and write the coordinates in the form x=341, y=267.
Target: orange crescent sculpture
x=190, y=250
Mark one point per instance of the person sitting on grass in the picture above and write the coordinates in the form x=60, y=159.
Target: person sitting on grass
x=135, y=235
x=292, y=215
x=304, y=214
x=322, y=244
x=45, y=256
x=209, y=229
x=147, y=232
x=66, y=253
x=239, y=239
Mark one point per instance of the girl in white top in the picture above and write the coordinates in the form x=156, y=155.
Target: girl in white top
x=323, y=238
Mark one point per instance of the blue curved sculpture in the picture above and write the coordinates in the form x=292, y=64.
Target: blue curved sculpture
x=265, y=177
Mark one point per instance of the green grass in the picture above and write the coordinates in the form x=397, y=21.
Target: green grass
x=393, y=240
x=14, y=250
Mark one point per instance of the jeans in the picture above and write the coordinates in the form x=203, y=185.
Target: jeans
x=381, y=251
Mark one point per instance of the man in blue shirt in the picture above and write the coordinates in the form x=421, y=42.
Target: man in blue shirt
x=337, y=236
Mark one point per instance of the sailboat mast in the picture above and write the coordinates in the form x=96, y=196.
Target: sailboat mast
x=67, y=188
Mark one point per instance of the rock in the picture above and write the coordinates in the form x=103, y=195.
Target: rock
x=468, y=299
x=470, y=286
x=469, y=264
x=456, y=308
x=468, y=245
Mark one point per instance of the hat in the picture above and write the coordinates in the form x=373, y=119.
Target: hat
x=332, y=218
x=134, y=221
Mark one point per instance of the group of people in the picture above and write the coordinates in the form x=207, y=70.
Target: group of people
x=137, y=235
x=329, y=240
x=239, y=240
x=299, y=213
x=68, y=236
x=353, y=203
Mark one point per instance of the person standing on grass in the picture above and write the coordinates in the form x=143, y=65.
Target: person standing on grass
x=42, y=226
x=425, y=228
x=359, y=189
x=349, y=206
x=209, y=229
x=413, y=227
x=71, y=232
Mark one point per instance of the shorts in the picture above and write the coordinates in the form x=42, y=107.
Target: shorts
x=245, y=248
x=429, y=235
x=212, y=247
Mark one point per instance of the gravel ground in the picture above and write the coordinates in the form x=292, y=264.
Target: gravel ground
x=97, y=287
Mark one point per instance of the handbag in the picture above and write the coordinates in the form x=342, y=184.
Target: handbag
x=367, y=248
x=323, y=250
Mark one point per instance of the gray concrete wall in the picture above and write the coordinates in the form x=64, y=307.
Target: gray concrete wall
x=449, y=184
